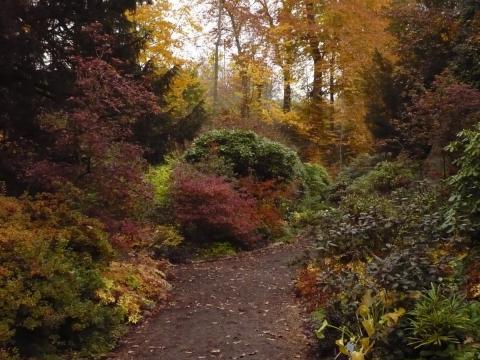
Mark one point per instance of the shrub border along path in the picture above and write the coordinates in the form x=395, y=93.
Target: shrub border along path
x=236, y=308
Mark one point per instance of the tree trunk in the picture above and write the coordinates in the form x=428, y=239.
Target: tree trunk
x=332, y=90
x=315, y=53
x=317, y=86
x=245, y=106
x=287, y=89
x=217, y=54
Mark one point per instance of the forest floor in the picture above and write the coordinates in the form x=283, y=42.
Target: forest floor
x=242, y=307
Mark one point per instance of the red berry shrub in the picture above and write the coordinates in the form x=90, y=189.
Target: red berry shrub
x=211, y=205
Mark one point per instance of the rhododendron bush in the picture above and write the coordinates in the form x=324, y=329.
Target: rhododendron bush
x=247, y=154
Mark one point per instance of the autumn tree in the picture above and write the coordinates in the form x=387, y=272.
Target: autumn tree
x=216, y=67
x=165, y=26
x=90, y=143
x=281, y=34
x=38, y=41
x=432, y=38
x=239, y=15
x=437, y=116
x=466, y=62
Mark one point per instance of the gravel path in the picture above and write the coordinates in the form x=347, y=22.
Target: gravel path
x=238, y=308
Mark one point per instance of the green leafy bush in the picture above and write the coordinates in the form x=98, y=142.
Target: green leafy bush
x=385, y=177
x=167, y=241
x=316, y=185
x=160, y=178
x=316, y=181
x=369, y=222
x=385, y=234
x=463, y=213
x=217, y=250
x=51, y=263
x=355, y=236
x=359, y=166
x=247, y=153
x=407, y=269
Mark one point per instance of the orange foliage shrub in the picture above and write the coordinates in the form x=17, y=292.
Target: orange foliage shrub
x=273, y=198
x=307, y=287
x=473, y=280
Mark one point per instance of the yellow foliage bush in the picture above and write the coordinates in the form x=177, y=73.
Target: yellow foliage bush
x=135, y=286
x=60, y=292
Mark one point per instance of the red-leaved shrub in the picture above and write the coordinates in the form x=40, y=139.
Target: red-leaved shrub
x=272, y=201
x=212, y=206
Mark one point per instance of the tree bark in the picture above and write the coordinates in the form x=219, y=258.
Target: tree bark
x=315, y=53
x=332, y=91
x=287, y=89
x=245, y=106
x=217, y=54
x=284, y=57
x=244, y=78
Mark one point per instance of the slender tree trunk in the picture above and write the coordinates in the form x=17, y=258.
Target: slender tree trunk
x=259, y=92
x=217, y=54
x=332, y=91
x=315, y=53
x=287, y=88
x=245, y=106
x=317, y=86
x=244, y=78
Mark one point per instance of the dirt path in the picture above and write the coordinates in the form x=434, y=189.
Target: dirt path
x=239, y=308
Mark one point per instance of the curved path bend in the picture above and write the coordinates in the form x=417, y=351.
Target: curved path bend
x=238, y=308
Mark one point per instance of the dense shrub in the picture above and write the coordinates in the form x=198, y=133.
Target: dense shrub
x=268, y=173
x=167, y=241
x=385, y=234
x=51, y=261
x=89, y=144
x=316, y=180
x=408, y=269
x=463, y=213
x=371, y=222
x=134, y=285
x=247, y=153
x=209, y=208
x=274, y=201
x=435, y=117
x=353, y=235
x=160, y=178
x=385, y=177
x=368, y=174
x=359, y=166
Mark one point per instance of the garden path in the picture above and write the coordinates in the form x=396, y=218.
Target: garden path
x=238, y=308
